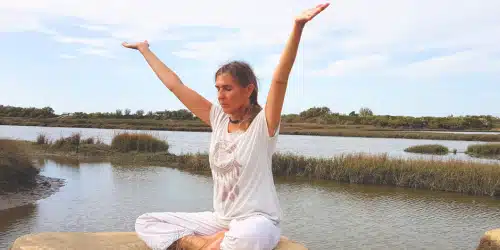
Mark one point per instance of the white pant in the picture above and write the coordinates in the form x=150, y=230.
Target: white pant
x=161, y=229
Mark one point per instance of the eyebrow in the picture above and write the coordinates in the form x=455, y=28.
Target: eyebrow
x=223, y=85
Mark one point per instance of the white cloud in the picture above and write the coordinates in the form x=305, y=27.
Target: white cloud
x=367, y=34
x=96, y=52
x=95, y=42
x=94, y=27
x=356, y=65
x=17, y=21
x=463, y=62
x=66, y=56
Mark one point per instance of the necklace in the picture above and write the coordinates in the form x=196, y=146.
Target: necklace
x=234, y=121
x=239, y=121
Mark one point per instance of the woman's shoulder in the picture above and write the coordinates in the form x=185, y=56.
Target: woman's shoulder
x=261, y=127
x=217, y=115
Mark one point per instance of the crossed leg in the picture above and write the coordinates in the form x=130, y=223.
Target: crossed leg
x=178, y=230
x=252, y=233
x=200, y=231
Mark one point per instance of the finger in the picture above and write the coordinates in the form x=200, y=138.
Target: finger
x=319, y=10
x=322, y=7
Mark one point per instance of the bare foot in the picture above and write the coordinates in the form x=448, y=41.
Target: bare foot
x=213, y=241
x=191, y=242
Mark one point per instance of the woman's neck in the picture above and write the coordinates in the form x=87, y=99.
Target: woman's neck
x=241, y=114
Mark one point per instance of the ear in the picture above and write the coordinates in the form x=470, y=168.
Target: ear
x=249, y=89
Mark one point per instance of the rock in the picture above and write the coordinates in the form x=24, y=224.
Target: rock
x=490, y=240
x=101, y=240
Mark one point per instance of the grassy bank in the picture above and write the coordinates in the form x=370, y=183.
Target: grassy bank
x=487, y=150
x=287, y=128
x=444, y=175
x=17, y=170
x=435, y=149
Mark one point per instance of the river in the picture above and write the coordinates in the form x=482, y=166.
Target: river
x=320, y=214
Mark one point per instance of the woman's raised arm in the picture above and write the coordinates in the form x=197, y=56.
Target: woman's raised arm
x=190, y=98
x=279, y=82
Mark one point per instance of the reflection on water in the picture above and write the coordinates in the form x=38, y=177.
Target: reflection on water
x=321, y=214
x=20, y=220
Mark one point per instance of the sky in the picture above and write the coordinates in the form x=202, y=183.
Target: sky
x=404, y=57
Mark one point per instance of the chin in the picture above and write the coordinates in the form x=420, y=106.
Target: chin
x=226, y=109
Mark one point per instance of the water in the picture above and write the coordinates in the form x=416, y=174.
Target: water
x=322, y=146
x=321, y=215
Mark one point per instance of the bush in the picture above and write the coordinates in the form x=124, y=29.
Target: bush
x=71, y=142
x=140, y=142
x=428, y=149
x=42, y=139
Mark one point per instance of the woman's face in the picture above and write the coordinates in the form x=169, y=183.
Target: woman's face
x=230, y=94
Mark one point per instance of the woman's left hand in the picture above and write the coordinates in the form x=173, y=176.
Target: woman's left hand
x=309, y=14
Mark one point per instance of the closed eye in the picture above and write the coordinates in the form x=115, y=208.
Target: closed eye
x=225, y=88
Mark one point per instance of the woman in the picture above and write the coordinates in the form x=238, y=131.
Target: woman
x=246, y=209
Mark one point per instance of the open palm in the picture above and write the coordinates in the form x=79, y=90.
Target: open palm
x=138, y=46
x=309, y=14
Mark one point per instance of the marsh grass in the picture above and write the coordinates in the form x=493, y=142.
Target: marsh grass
x=460, y=176
x=442, y=175
x=139, y=142
x=428, y=149
x=488, y=150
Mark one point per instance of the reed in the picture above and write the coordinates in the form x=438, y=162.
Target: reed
x=489, y=150
x=428, y=149
x=441, y=175
x=461, y=176
x=139, y=142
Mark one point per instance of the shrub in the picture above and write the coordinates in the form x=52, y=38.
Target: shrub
x=42, y=139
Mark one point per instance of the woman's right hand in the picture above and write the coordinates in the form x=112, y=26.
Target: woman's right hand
x=138, y=46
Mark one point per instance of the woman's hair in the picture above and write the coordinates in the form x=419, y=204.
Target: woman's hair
x=244, y=75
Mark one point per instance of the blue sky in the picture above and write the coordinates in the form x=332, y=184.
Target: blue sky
x=395, y=57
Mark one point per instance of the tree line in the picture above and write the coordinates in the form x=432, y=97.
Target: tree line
x=365, y=116
x=320, y=115
x=47, y=112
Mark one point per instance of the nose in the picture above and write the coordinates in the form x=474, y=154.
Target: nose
x=220, y=95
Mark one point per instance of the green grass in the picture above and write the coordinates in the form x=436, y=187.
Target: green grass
x=17, y=169
x=428, y=149
x=487, y=150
